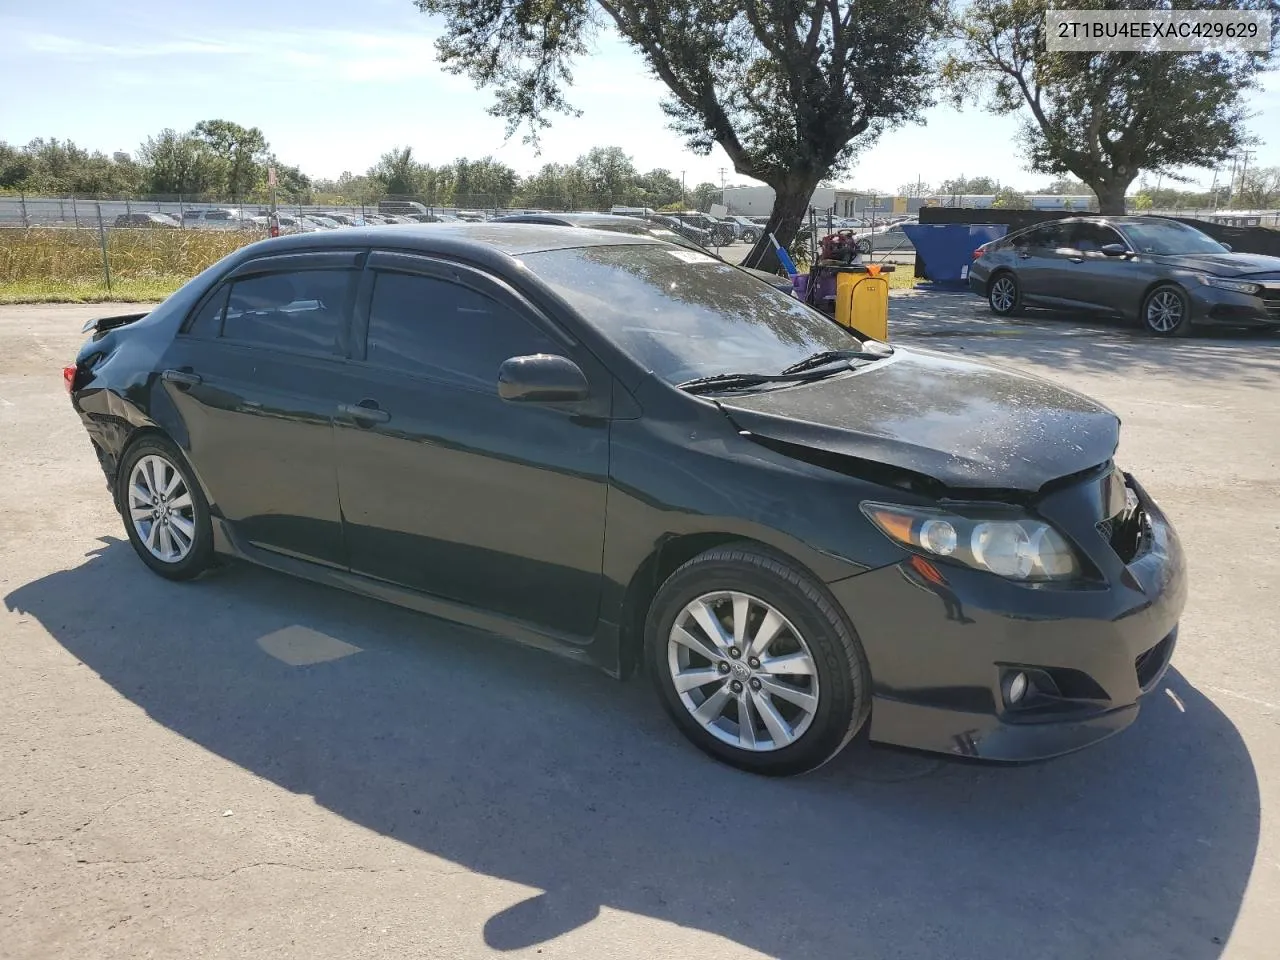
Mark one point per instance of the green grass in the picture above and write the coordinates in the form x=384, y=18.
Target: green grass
x=40, y=265
x=80, y=291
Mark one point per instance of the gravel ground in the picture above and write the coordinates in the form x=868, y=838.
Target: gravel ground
x=251, y=766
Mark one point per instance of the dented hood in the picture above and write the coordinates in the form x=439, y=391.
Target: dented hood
x=965, y=424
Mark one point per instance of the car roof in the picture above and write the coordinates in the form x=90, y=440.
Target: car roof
x=473, y=241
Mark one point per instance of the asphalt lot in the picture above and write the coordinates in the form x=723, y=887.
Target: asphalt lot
x=251, y=766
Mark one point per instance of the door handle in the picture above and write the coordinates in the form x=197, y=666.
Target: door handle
x=366, y=410
x=1076, y=259
x=184, y=377
x=1024, y=256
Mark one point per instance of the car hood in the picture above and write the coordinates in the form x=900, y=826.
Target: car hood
x=1226, y=264
x=966, y=425
x=780, y=282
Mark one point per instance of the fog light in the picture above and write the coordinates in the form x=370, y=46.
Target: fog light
x=1017, y=687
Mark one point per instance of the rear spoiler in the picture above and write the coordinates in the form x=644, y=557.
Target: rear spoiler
x=103, y=324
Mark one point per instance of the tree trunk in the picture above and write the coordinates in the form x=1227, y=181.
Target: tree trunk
x=1111, y=197
x=790, y=206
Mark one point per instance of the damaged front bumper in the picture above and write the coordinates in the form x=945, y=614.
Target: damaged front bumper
x=942, y=654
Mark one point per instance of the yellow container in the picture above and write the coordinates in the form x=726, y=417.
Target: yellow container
x=862, y=303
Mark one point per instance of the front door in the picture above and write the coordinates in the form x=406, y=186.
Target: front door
x=447, y=488
x=1091, y=279
x=250, y=378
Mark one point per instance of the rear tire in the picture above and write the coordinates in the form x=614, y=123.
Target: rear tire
x=1166, y=311
x=1004, y=294
x=164, y=510
x=864, y=247
x=777, y=652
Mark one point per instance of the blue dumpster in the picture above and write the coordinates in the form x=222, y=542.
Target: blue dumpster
x=945, y=250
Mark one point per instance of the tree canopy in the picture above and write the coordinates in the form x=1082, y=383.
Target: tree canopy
x=1107, y=116
x=788, y=88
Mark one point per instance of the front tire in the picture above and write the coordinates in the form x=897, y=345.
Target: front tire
x=864, y=247
x=755, y=664
x=748, y=236
x=1166, y=311
x=1004, y=294
x=164, y=510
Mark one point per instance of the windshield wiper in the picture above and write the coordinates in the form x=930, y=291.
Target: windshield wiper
x=823, y=357
x=728, y=381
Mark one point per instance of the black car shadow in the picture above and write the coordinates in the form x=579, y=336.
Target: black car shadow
x=513, y=764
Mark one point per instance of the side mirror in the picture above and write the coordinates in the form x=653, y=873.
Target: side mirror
x=541, y=378
x=1226, y=246
x=1115, y=250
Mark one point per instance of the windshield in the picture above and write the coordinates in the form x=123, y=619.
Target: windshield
x=685, y=315
x=1169, y=238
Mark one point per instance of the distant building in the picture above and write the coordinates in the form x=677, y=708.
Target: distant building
x=843, y=202
x=758, y=201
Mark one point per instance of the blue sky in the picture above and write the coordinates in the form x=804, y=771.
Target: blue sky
x=335, y=84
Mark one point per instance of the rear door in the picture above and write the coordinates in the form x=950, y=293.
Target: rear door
x=252, y=380
x=1037, y=263
x=447, y=488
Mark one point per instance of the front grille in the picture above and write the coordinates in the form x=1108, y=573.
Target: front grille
x=1271, y=297
x=1150, y=663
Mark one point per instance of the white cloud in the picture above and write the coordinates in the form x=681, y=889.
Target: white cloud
x=351, y=56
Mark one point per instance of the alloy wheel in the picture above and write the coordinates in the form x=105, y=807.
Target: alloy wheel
x=161, y=510
x=1003, y=294
x=743, y=671
x=1164, y=311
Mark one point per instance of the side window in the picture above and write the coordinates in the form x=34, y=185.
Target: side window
x=208, y=320
x=441, y=329
x=1047, y=236
x=1090, y=237
x=303, y=310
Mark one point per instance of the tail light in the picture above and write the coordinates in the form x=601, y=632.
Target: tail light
x=979, y=252
x=69, y=377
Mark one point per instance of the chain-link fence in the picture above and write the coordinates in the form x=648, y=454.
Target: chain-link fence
x=77, y=211
x=143, y=247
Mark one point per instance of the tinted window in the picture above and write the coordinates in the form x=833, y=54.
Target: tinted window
x=1045, y=235
x=1090, y=237
x=1168, y=237
x=683, y=314
x=208, y=320
x=444, y=330
x=293, y=311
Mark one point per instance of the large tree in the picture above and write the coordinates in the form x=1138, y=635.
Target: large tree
x=180, y=164
x=242, y=152
x=785, y=87
x=658, y=188
x=398, y=173
x=1105, y=116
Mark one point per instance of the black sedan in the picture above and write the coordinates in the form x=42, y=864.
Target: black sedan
x=636, y=226
x=1163, y=273
x=635, y=455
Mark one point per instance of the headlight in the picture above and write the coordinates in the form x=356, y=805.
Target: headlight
x=1236, y=286
x=1014, y=546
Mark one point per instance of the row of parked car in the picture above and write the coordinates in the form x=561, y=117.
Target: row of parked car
x=230, y=218
x=701, y=228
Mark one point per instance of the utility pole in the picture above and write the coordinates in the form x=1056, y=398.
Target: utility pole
x=684, y=191
x=723, y=171
x=919, y=185
x=1244, y=166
